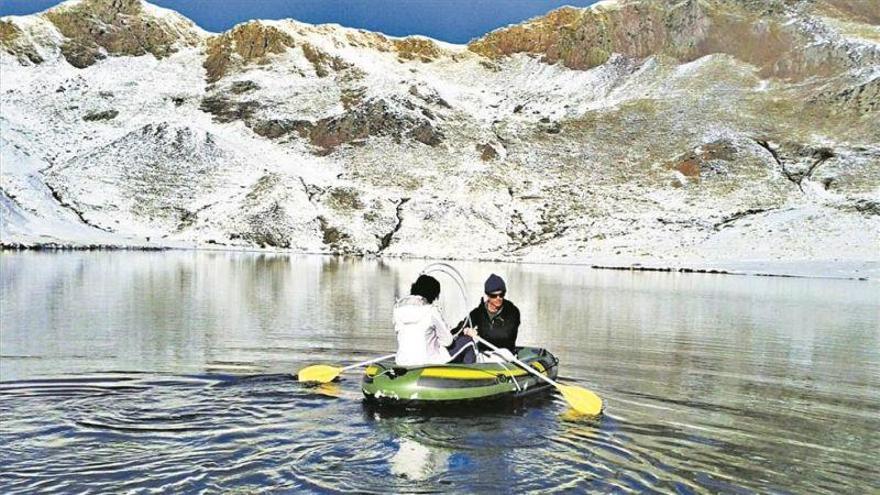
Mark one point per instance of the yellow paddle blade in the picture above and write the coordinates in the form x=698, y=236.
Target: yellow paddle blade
x=320, y=373
x=582, y=400
x=327, y=389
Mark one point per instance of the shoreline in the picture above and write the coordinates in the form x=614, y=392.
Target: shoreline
x=812, y=269
x=717, y=271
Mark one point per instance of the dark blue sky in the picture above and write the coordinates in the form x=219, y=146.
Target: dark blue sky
x=456, y=21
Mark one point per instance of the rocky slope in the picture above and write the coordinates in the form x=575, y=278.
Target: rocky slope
x=686, y=133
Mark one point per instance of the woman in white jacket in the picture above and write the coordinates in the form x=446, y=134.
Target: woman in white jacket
x=422, y=335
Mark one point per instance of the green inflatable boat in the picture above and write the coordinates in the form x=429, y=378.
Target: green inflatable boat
x=387, y=383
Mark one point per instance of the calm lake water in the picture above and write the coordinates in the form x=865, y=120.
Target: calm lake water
x=172, y=372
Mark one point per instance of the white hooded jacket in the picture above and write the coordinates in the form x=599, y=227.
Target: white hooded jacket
x=422, y=335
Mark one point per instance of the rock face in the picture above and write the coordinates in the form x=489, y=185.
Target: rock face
x=372, y=118
x=12, y=42
x=96, y=28
x=861, y=11
x=246, y=43
x=633, y=130
x=420, y=49
x=758, y=33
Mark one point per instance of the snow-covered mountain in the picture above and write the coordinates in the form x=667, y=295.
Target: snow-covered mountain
x=692, y=132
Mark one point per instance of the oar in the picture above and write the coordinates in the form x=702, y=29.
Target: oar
x=580, y=399
x=322, y=373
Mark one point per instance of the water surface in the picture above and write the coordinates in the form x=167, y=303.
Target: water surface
x=129, y=372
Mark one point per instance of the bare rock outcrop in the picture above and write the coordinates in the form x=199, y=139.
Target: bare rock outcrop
x=487, y=152
x=247, y=43
x=93, y=28
x=12, y=42
x=861, y=98
x=760, y=33
x=372, y=118
x=725, y=163
x=415, y=48
x=324, y=63
x=863, y=11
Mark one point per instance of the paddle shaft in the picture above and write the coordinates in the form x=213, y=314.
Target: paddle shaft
x=371, y=361
x=518, y=362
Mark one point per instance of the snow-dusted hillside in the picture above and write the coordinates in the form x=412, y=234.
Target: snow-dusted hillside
x=561, y=139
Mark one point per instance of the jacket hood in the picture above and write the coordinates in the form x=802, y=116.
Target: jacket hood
x=411, y=309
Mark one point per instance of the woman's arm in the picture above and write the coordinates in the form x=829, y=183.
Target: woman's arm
x=441, y=329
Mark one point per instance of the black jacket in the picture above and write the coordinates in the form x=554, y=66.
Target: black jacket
x=501, y=330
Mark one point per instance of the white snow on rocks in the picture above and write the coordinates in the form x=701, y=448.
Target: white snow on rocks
x=124, y=153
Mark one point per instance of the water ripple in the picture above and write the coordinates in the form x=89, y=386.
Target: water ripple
x=214, y=433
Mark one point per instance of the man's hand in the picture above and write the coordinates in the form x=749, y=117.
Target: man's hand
x=470, y=332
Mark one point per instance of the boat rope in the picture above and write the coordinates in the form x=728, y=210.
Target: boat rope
x=464, y=348
x=510, y=374
x=455, y=275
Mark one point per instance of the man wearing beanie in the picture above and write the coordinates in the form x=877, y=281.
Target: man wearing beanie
x=496, y=319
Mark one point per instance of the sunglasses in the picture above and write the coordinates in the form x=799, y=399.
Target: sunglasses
x=495, y=295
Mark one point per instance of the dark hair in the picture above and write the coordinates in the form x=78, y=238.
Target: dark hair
x=427, y=287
